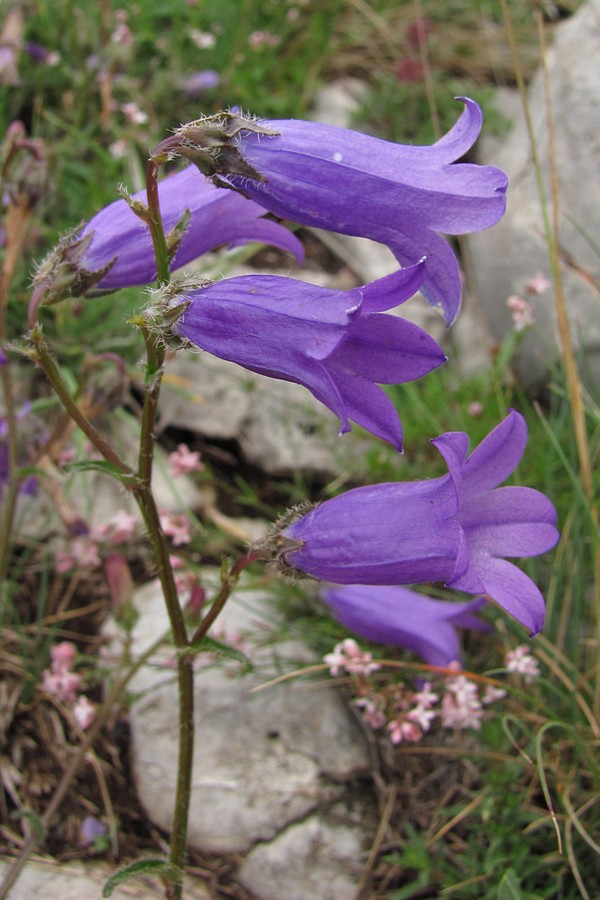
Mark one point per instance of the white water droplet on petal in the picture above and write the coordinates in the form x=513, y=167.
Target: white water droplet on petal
x=337, y=157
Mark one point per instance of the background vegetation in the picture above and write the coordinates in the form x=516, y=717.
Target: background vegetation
x=511, y=812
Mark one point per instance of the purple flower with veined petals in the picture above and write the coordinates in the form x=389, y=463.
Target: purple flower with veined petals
x=216, y=217
x=344, y=181
x=454, y=529
x=114, y=249
x=387, y=614
x=338, y=344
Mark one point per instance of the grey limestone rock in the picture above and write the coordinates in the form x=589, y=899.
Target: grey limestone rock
x=509, y=254
x=264, y=759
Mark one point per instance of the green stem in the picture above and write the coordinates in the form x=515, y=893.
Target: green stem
x=42, y=356
x=155, y=224
x=13, y=482
x=185, y=673
x=139, y=484
x=229, y=582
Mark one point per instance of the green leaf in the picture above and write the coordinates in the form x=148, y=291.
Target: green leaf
x=214, y=646
x=160, y=868
x=509, y=887
x=99, y=465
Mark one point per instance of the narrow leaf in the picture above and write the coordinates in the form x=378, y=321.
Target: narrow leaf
x=160, y=868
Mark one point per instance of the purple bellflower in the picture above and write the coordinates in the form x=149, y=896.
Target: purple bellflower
x=338, y=344
x=454, y=529
x=352, y=183
x=114, y=249
x=216, y=218
x=388, y=614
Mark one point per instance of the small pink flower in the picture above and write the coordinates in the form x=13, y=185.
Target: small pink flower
x=62, y=657
x=461, y=706
x=539, y=284
x=521, y=661
x=66, y=456
x=464, y=690
x=336, y=660
x=118, y=149
x=425, y=697
x=491, y=694
x=402, y=730
x=521, y=311
x=475, y=409
x=461, y=714
x=121, y=527
x=134, y=114
x=84, y=712
x=183, y=461
x=373, y=715
x=64, y=686
x=349, y=657
x=177, y=527
x=422, y=716
x=122, y=33
x=203, y=40
x=82, y=552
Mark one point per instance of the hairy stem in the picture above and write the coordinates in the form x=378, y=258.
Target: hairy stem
x=185, y=674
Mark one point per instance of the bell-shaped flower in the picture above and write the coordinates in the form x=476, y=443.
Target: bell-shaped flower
x=456, y=529
x=387, y=614
x=338, y=344
x=353, y=183
x=216, y=218
x=114, y=249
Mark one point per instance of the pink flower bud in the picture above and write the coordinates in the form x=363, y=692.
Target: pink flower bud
x=63, y=657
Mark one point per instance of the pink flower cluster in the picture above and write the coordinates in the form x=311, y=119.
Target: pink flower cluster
x=62, y=683
x=347, y=656
x=521, y=661
x=84, y=551
x=522, y=310
x=406, y=711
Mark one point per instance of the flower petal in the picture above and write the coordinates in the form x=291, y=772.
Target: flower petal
x=392, y=290
x=368, y=406
x=454, y=446
x=510, y=521
x=513, y=590
x=387, y=349
x=496, y=457
x=343, y=540
x=442, y=286
x=404, y=618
